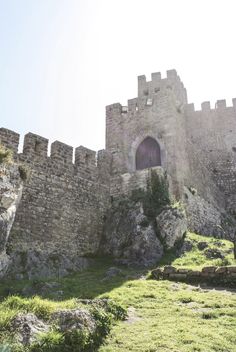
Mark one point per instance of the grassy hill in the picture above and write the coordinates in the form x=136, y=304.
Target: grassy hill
x=162, y=315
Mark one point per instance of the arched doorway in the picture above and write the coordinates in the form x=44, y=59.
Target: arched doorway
x=148, y=154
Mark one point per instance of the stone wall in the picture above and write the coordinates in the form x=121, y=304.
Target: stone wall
x=211, y=145
x=126, y=183
x=223, y=275
x=198, y=148
x=63, y=203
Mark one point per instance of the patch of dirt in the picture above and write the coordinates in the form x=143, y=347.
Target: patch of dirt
x=132, y=316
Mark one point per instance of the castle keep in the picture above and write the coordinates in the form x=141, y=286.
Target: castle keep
x=64, y=202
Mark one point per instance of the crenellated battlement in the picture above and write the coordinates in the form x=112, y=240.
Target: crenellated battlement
x=35, y=149
x=9, y=139
x=157, y=83
x=150, y=93
x=220, y=106
x=61, y=153
x=35, y=145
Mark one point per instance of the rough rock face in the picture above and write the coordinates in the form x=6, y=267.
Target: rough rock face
x=129, y=237
x=26, y=328
x=93, y=318
x=10, y=195
x=34, y=264
x=206, y=219
x=172, y=225
x=72, y=319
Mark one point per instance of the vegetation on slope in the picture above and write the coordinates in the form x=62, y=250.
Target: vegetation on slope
x=163, y=316
x=83, y=339
x=197, y=258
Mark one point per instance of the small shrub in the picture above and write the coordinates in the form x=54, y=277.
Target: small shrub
x=6, y=156
x=50, y=341
x=118, y=312
x=186, y=299
x=209, y=315
x=222, y=262
x=24, y=172
x=104, y=321
x=77, y=341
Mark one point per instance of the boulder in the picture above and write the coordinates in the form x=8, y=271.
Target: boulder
x=169, y=269
x=202, y=245
x=26, y=327
x=130, y=237
x=186, y=247
x=72, y=319
x=171, y=225
x=213, y=253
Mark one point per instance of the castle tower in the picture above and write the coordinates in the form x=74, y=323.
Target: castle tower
x=150, y=131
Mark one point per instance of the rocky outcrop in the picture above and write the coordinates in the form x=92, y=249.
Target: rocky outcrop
x=36, y=264
x=27, y=327
x=171, y=225
x=206, y=219
x=130, y=237
x=133, y=238
x=73, y=319
x=10, y=195
x=84, y=326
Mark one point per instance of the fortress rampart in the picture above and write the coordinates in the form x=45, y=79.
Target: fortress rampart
x=68, y=193
x=63, y=203
x=197, y=148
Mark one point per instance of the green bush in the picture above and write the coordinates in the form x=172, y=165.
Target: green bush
x=155, y=197
x=51, y=341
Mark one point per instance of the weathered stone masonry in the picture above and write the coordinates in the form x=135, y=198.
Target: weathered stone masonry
x=197, y=148
x=63, y=204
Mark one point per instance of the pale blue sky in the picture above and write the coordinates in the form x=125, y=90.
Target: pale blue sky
x=62, y=61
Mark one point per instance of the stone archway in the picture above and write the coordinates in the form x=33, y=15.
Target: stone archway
x=148, y=154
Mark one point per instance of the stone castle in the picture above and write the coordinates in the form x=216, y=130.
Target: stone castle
x=64, y=202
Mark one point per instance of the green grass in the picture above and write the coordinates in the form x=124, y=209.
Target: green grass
x=164, y=316
x=195, y=259
x=173, y=317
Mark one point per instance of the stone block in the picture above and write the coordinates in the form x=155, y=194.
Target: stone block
x=183, y=271
x=168, y=269
x=156, y=273
x=194, y=273
x=177, y=276
x=231, y=269
x=208, y=269
x=221, y=270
